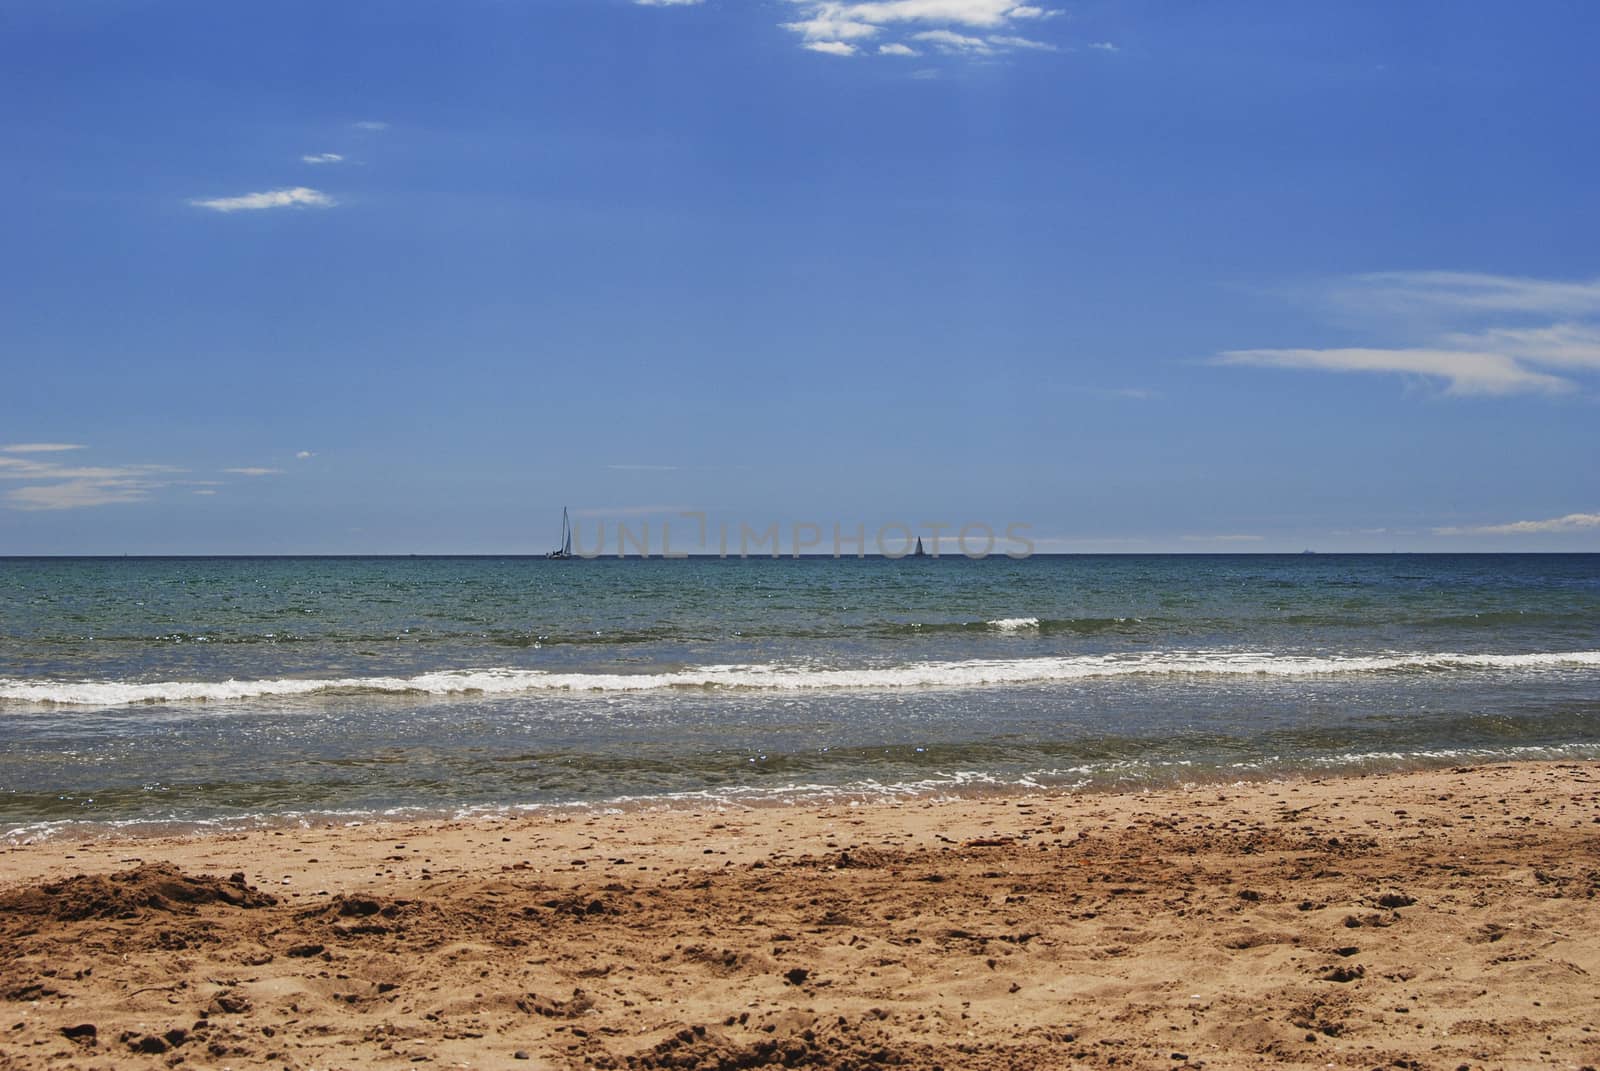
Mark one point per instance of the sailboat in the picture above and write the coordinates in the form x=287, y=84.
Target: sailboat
x=919, y=552
x=565, y=550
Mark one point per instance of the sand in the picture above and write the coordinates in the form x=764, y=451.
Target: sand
x=1440, y=919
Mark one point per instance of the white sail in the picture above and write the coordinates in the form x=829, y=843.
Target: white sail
x=565, y=549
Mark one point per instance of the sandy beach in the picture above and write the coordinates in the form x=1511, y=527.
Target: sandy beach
x=1439, y=919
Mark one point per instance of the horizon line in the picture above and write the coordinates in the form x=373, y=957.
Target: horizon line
x=543, y=556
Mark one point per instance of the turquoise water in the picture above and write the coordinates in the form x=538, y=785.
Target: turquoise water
x=152, y=693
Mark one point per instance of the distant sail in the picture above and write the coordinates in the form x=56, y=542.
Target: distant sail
x=565, y=550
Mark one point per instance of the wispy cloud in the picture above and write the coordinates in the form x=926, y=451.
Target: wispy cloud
x=950, y=41
x=1478, y=334
x=251, y=202
x=78, y=494
x=22, y=468
x=897, y=49
x=1013, y=41
x=40, y=448
x=668, y=3
x=1465, y=373
x=304, y=455
x=1402, y=292
x=1572, y=522
x=52, y=485
x=1226, y=538
x=1571, y=345
x=371, y=124
x=322, y=158
x=48, y=482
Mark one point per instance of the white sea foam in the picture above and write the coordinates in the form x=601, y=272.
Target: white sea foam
x=789, y=678
x=1014, y=624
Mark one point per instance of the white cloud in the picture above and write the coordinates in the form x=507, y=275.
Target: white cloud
x=1569, y=344
x=304, y=455
x=1465, y=372
x=299, y=195
x=1572, y=522
x=981, y=13
x=371, y=124
x=51, y=485
x=1468, y=293
x=1009, y=41
x=1479, y=334
x=1104, y=46
x=40, y=448
x=832, y=48
x=1230, y=538
x=668, y=3
x=950, y=41
x=77, y=494
x=18, y=468
x=322, y=158
x=938, y=22
x=826, y=28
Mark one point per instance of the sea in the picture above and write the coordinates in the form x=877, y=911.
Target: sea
x=162, y=695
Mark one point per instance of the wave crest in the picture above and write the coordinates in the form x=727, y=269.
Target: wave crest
x=779, y=677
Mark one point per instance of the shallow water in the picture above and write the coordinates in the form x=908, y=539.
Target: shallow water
x=162, y=692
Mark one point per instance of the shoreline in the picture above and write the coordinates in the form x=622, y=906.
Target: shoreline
x=1442, y=916
x=1172, y=776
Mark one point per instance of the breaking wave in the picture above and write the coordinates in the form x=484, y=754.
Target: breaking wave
x=792, y=677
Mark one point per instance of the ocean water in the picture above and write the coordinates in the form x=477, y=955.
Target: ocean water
x=162, y=694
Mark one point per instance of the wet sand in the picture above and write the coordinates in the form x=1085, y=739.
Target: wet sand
x=1439, y=919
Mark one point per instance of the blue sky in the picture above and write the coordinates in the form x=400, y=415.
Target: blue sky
x=409, y=277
